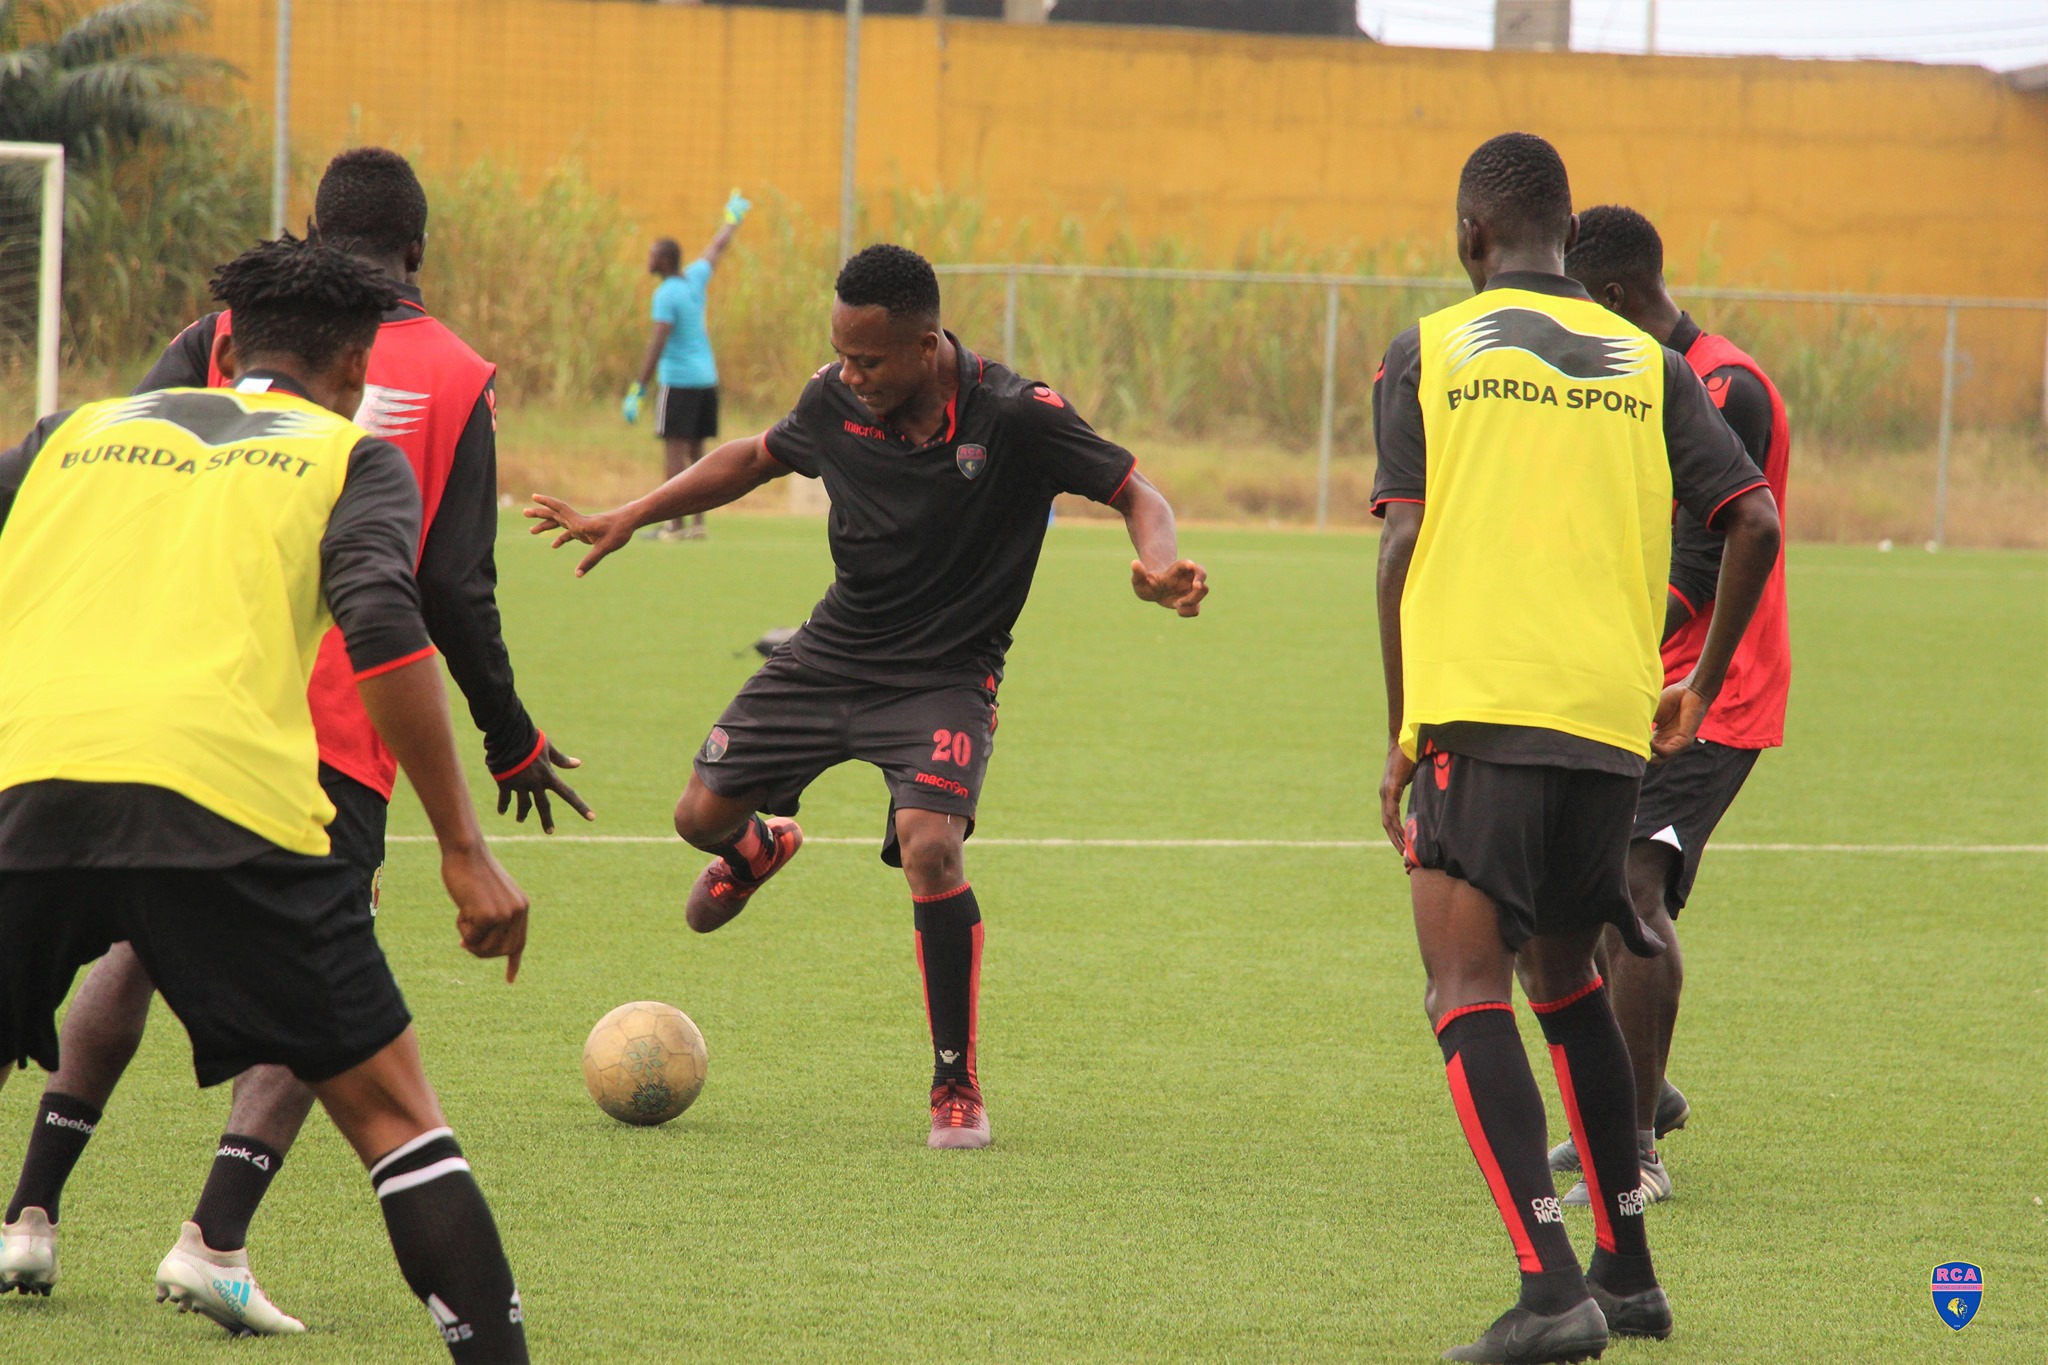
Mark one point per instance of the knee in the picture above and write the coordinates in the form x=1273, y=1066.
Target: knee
x=696, y=822
x=933, y=860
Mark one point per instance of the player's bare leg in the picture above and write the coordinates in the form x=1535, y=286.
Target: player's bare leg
x=750, y=850
x=207, y=1271
x=949, y=937
x=101, y=1031
x=441, y=1228
x=1469, y=974
x=678, y=454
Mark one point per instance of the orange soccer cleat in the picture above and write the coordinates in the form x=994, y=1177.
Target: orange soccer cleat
x=718, y=897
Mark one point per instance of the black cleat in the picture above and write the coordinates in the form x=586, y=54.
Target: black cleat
x=1520, y=1337
x=1672, y=1112
x=1647, y=1314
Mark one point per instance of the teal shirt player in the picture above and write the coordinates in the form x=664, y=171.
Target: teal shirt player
x=686, y=361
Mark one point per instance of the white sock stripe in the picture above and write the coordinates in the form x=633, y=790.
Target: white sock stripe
x=406, y=1149
x=398, y=1184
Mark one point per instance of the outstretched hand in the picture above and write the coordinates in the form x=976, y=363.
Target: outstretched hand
x=603, y=533
x=1181, y=586
x=1679, y=713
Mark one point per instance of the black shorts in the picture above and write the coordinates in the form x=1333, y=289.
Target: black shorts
x=1683, y=798
x=791, y=722
x=1549, y=845
x=271, y=961
x=356, y=834
x=685, y=414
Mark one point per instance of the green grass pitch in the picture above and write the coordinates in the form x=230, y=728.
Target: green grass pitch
x=1222, y=1130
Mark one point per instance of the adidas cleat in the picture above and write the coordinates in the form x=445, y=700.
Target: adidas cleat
x=958, y=1118
x=718, y=896
x=28, y=1253
x=1520, y=1337
x=218, y=1285
x=1672, y=1112
x=1656, y=1186
x=1647, y=1314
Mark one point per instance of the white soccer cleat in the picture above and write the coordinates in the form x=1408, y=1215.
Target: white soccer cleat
x=218, y=1285
x=28, y=1253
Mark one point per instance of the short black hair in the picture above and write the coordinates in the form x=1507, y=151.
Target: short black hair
x=1517, y=183
x=893, y=277
x=668, y=249
x=1616, y=244
x=370, y=202
x=303, y=299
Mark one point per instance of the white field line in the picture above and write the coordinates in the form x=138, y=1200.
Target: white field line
x=1338, y=844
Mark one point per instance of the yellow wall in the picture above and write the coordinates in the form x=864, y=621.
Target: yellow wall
x=1816, y=175
x=1808, y=174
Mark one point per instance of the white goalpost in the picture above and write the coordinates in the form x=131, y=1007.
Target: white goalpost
x=49, y=258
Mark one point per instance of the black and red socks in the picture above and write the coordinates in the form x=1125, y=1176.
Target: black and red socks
x=1597, y=1084
x=63, y=1125
x=949, y=956
x=243, y=1168
x=448, y=1249
x=751, y=850
x=1501, y=1112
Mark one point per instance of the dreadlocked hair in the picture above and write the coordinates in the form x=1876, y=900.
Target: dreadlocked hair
x=302, y=299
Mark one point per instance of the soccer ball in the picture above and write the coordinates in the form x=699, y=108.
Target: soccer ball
x=644, y=1062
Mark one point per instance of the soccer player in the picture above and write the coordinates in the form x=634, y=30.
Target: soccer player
x=1530, y=446
x=169, y=564
x=432, y=396
x=941, y=466
x=1619, y=259
x=686, y=404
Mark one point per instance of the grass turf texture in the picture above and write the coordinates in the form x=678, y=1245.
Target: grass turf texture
x=1221, y=1125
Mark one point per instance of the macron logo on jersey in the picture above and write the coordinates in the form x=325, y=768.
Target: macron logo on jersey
x=392, y=413
x=1572, y=354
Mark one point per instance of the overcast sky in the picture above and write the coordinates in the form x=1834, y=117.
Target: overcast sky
x=2001, y=34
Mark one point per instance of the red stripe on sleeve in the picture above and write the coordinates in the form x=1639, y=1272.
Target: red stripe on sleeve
x=1125, y=484
x=396, y=664
x=1760, y=483
x=1683, y=600
x=539, y=746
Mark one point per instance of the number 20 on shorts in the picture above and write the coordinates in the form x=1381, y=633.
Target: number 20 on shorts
x=952, y=746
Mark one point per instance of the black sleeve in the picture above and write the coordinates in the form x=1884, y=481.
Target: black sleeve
x=187, y=361
x=1397, y=424
x=366, y=559
x=1695, y=561
x=14, y=463
x=1074, y=457
x=1708, y=464
x=459, y=593
x=794, y=440
x=1746, y=407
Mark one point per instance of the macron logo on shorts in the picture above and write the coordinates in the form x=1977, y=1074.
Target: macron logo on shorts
x=57, y=1120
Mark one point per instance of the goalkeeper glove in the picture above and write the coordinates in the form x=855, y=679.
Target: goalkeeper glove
x=631, y=407
x=736, y=209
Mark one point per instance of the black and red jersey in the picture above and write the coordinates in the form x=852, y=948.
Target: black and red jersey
x=431, y=396
x=935, y=544
x=1750, y=711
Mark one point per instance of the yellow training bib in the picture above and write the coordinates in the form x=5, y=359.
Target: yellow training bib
x=1536, y=592
x=160, y=603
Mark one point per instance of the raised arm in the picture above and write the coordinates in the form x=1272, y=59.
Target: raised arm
x=1158, y=574
x=726, y=475
x=736, y=209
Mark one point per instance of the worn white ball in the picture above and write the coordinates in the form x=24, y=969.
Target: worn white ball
x=645, y=1062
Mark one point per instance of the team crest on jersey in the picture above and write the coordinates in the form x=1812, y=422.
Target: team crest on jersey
x=715, y=744
x=1575, y=355
x=1958, y=1289
x=972, y=460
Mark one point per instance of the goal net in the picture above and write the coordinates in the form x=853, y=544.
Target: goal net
x=31, y=273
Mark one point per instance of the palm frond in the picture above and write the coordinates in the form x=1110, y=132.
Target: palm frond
x=121, y=28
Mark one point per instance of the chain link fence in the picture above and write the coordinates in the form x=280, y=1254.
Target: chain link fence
x=1914, y=417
